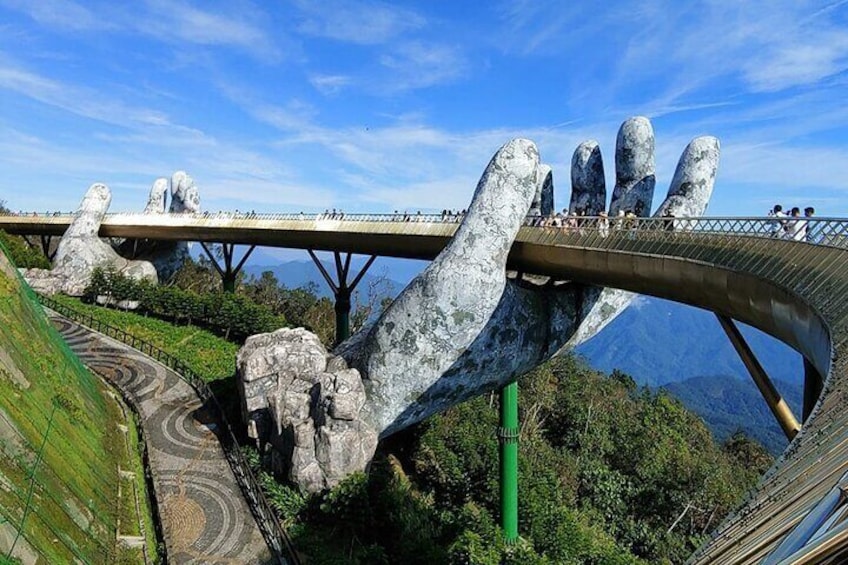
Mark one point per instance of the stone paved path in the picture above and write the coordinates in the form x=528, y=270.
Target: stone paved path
x=204, y=516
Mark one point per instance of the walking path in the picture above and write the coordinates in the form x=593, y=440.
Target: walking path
x=204, y=516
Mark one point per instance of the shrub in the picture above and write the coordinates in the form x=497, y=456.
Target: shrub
x=235, y=316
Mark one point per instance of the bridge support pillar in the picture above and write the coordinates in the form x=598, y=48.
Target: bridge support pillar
x=813, y=384
x=775, y=402
x=508, y=433
x=228, y=273
x=45, y=242
x=342, y=290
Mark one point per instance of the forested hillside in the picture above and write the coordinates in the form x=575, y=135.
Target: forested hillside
x=729, y=405
x=609, y=473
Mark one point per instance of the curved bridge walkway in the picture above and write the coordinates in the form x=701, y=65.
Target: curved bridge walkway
x=204, y=517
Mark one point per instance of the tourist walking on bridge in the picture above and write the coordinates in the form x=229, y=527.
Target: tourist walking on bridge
x=795, y=228
x=812, y=237
x=777, y=224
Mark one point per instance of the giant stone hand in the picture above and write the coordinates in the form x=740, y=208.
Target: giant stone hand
x=166, y=256
x=462, y=327
x=81, y=251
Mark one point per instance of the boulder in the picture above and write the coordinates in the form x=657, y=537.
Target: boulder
x=304, y=404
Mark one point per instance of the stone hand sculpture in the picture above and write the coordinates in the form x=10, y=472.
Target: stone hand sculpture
x=166, y=256
x=462, y=327
x=81, y=251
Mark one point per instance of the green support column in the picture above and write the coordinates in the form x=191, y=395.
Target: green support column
x=342, y=308
x=508, y=438
x=229, y=274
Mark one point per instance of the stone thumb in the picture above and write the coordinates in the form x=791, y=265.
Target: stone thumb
x=93, y=207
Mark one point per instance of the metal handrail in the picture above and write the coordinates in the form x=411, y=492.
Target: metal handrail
x=829, y=231
x=272, y=530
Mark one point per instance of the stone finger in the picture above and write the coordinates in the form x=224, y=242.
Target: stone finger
x=449, y=304
x=185, y=197
x=692, y=185
x=543, y=201
x=634, y=168
x=93, y=207
x=588, y=186
x=158, y=194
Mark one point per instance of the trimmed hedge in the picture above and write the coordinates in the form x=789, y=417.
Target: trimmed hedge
x=233, y=315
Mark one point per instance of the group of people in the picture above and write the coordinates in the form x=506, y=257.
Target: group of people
x=792, y=225
x=577, y=220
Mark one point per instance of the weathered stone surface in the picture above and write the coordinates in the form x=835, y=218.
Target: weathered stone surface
x=157, y=197
x=460, y=328
x=543, y=200
x=166, y=256
x=692, y=184
x=81, y=251
x=588, y=185
x=185, y=198
x=445, y=308
x=634, y=168
x=305, y=404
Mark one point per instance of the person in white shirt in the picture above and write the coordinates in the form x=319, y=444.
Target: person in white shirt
x=795, y=228
x=777, y=225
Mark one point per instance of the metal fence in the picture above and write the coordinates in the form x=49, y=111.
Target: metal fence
x=818, y=230
x=272, y=530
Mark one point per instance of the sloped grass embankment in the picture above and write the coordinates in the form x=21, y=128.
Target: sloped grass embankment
x=62, y=444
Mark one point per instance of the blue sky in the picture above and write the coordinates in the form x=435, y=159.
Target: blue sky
x=369, y=106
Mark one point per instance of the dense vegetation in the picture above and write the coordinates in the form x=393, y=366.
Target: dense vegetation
x=21, y=254
x=60, y=445
x=608, y=474
x=234, y=315
x=207, y=354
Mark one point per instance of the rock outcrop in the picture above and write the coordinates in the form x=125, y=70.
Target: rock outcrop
x=81, y=251
x=306, y=404
x=460, y=328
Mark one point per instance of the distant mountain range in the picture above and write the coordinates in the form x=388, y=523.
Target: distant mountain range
x=658, y=342
x=684, y=350
x=728, y=405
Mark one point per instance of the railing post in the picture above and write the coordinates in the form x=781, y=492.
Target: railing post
x=508, y=438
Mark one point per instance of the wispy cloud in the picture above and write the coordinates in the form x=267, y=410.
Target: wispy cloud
x=82, y=101
x=330, y=84
x=239, y=26
x=63, y=14
x=419, y=64
x=364, y=23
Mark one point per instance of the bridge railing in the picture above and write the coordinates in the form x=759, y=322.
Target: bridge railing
x=270, y=526
x=816, y=230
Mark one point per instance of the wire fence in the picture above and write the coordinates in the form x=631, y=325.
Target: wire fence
x=272, y=530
